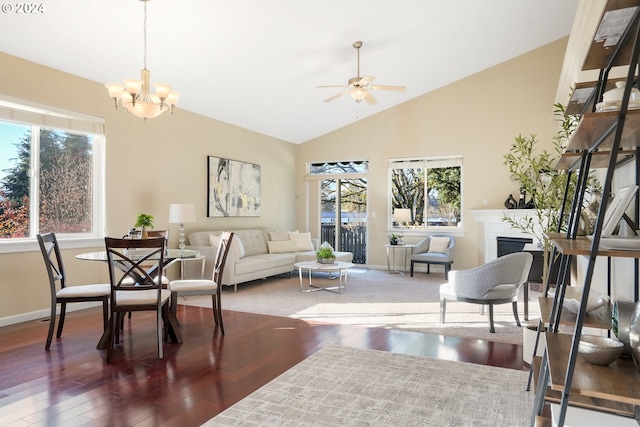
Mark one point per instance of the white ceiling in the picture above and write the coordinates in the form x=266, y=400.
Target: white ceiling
x=256, y=63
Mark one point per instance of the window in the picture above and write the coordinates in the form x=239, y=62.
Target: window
x=429, y=188
x=50, y=173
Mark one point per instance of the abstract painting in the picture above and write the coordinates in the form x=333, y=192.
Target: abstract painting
x=233, y=188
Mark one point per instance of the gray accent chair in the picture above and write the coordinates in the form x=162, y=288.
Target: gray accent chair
x=421, y=254
x=496, y=282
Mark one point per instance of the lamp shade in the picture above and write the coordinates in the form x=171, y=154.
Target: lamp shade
x=402, y=215
x=181, y=213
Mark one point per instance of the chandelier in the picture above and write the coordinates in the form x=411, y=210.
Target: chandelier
x=134, y=94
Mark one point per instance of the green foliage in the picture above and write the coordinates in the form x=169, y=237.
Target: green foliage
x=325, y=251
x=144, y=221
x=535, y=173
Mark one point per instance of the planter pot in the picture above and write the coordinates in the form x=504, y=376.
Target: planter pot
x=623, y=312
x=529, y=333
x=326, y=260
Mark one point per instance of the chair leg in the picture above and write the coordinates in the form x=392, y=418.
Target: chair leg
x=411, y=269
x=105, y=314
x=447, y=267
x=217, y=312
x=443, y=308
x=63, y=312
x=515, y=313
x=160, y=318
x=491, y=328
x=52, y=325
x=428, y=268
x=114, y=332
x=174, y=303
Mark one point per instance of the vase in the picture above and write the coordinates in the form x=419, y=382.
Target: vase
x=634, y=336
x=145, y=235
x=622, y=317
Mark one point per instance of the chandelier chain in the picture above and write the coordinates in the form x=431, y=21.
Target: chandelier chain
x=145, y=35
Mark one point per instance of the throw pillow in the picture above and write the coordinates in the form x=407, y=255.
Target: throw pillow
x=236, y=245
x=302, y=241
x=278, y=235
x=438, y=244
x=281, y=246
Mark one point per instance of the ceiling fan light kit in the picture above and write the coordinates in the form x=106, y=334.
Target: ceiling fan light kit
x=360, y=87
x=134, y=95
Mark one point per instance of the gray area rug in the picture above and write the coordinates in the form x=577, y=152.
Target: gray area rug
x=343, y=386
x=374, y=298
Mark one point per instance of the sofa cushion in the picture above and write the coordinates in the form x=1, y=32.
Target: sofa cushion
x=250, y=265
x=279, y=260
x=275, y=236
x=302, y=241
x=281, y=246
x=439, y=244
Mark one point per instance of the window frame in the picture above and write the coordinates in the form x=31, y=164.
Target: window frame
x=424, y=162
x=38, y=117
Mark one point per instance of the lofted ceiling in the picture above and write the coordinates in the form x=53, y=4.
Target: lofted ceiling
x=256, y=63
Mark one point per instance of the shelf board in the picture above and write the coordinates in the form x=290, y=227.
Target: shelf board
x=593, y=125
x=554, y=396
x=617, y=382
x=600, y=318
x=583, y=92
x=601, y=51
x=582, y=246
x=599, y=160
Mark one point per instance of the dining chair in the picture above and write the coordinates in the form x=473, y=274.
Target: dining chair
x=203, y=286
x=66, y=294
x=129, y=262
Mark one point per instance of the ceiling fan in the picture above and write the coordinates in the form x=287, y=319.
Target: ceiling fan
x=360, y=87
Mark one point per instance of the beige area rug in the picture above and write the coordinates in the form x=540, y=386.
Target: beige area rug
x=374, y=298
x=343, y=386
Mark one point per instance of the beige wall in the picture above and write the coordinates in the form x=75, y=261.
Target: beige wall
x=148, y=166
x=477, y=117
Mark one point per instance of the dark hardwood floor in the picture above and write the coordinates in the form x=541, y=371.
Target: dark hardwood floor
x=72, y=384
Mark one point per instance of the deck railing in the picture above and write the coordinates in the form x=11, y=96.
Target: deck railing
x=353, y=238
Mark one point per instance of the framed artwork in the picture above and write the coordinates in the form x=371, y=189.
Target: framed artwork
x=233, y=188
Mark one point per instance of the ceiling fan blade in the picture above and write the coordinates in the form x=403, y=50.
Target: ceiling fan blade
x=330, y=86
x=336, y=96
x=366, y=79
x=384, y=87
x=370, y=99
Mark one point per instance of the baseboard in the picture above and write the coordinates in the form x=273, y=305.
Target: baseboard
x=44, y=314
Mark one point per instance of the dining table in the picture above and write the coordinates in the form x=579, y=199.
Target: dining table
x=170, y=256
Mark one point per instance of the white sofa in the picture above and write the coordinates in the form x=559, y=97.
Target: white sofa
x=256, y=254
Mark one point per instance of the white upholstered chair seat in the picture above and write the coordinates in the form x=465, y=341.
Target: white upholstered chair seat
x=142, y=297
x=184, y=286
x=84, y=291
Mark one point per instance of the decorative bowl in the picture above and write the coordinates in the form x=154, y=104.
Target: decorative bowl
x=573, y=298
x=600, y=350
x=615, y=95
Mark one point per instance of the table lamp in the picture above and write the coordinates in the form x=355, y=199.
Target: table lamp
x=401, y=216
x=179, y=214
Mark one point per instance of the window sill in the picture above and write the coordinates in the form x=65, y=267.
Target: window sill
x=31, y=245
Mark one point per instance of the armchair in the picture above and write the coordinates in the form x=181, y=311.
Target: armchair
x=434, y=249
x=496, y=282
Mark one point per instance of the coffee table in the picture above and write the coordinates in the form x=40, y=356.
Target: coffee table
x=340, y=267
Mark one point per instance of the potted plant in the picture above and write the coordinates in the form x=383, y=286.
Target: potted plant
x=325, y=254
x=535, y=173
x=145, y=221
x=393, y=239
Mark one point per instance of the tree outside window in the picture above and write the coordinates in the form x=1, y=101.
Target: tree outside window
x=430, y=188
x=62, y=185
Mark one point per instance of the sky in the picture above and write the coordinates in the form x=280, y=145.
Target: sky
x=10, y=134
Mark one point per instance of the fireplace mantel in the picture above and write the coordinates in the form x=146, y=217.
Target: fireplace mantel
x=493, y=226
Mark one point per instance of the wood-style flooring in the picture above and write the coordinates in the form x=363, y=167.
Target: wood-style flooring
x=72, y=385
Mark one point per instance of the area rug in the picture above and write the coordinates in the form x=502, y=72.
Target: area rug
x=344, y=386
x=375, y=298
